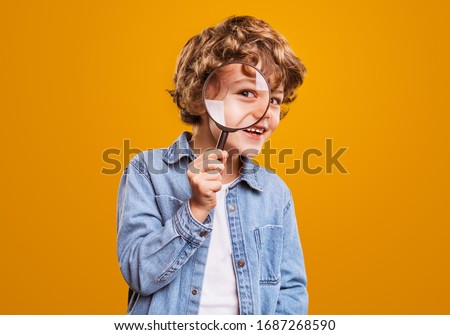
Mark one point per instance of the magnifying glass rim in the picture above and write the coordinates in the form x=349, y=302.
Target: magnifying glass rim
x=225, y=128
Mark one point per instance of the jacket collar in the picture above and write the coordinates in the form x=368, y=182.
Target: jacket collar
x=180, y=148
x=250, y=172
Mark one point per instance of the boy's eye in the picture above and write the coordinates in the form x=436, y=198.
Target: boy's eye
x=275, y=101
x=248, y=94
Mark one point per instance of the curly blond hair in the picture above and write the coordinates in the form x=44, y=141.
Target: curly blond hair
x=238, y=38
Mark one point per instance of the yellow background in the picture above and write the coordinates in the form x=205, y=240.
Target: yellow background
x=79, y=77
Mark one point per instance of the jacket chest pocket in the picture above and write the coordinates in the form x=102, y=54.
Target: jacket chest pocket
x=269, y=241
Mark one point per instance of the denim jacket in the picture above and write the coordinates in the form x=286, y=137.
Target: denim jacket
x=162, y=248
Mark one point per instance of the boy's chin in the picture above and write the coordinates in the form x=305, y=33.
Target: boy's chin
x=250, y=152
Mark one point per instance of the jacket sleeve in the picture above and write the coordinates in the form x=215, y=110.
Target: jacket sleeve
x=293, y=296
x=152, y=252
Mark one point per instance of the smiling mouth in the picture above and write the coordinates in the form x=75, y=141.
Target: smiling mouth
x=255, y=130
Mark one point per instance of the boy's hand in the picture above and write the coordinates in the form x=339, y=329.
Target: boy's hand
x=205, y=178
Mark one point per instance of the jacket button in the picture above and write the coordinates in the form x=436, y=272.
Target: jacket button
x=203, y=233
x=231, y=208
x=194, y=291
x=241, y=263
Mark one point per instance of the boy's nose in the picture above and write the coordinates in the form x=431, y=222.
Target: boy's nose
x=258, y=115
x=260, y=106
x=268, y=113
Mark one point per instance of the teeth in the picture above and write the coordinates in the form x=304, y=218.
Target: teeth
x=255, y=130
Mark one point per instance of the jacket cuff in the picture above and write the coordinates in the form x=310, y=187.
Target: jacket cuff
x=189, y=228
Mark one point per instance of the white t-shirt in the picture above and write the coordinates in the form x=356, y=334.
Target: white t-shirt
x=219, y=294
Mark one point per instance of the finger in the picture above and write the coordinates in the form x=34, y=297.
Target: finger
x=224, y=156
x=208, y=161
x=214, y=160
x=202, y=161
x=215, y=154
x=213, y=167
x=194, y=167
x=211, y=175
x=215, y=186
x=198, y=165
x=208, y=188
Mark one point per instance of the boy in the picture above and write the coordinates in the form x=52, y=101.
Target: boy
x=211, y=232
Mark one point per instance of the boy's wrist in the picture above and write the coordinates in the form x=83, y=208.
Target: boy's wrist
x=197, y=212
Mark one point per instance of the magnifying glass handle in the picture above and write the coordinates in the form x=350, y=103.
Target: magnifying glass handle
x=222, y=139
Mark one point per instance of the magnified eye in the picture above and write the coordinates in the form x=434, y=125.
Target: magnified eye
x=247, y=94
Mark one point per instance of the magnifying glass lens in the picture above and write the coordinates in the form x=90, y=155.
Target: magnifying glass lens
x=236, y=96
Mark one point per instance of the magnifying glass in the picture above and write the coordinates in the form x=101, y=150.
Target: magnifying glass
x=236, y=97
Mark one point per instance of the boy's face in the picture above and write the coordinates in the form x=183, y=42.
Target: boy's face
x=247, y=142
x=236, y=96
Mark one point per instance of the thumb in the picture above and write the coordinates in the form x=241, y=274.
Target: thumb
x=224, y=156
